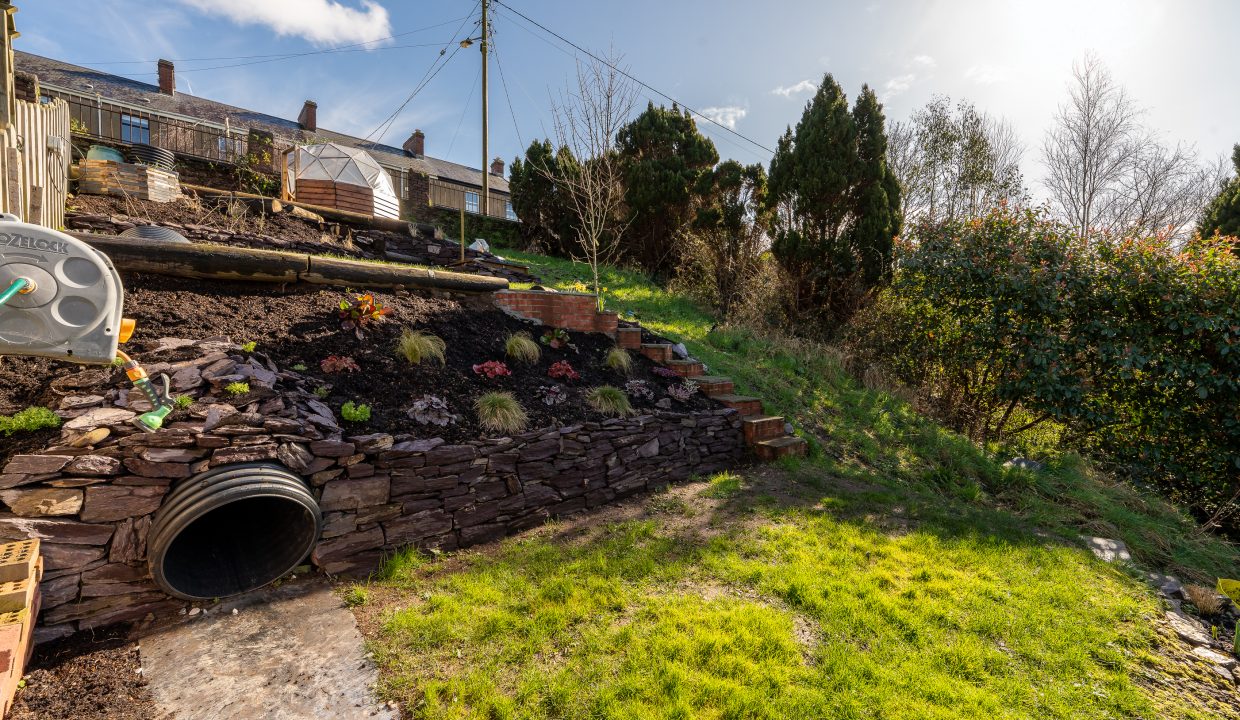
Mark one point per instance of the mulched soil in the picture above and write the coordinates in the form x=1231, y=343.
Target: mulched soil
x=204, y=211
x=299, y=325
x=86, y=676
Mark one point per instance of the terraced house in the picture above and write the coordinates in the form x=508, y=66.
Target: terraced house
x=118, y=109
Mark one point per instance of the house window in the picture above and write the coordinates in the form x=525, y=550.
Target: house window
x=135, y=129
x=471, y=202
x=508, y=212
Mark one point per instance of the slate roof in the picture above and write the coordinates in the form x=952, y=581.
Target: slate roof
x=147, y=96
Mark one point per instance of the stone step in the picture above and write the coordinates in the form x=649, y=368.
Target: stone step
x=743, y=404
x=780, y=447
x=761, y=427
x=686, y=368
x=712, y=385
x=659, y=352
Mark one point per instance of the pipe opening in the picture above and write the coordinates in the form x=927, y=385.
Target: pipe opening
x=231, y=530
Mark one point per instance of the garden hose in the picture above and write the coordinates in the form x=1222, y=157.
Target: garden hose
x=161, y=402
x=20, y=286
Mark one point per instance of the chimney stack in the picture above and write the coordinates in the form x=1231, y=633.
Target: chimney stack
x=416, y=144
x=167, y=78
x=497, y=167
x=308, y=119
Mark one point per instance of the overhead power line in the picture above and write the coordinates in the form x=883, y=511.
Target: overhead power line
x=504, y=82
x=628, y=75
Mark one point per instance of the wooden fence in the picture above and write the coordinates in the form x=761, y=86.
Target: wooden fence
x=34, y=163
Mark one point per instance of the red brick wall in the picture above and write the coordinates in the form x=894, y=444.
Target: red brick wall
x=571, y=311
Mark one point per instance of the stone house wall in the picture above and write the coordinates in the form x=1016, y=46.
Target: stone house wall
x=90, y=496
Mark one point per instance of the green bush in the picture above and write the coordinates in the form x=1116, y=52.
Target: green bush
x=418, y=347
x=500, y=412
x=1010, y=321
x=521, y=347
x=609, y=401
x=237, y=388
x=29, y=420
x=355, y=413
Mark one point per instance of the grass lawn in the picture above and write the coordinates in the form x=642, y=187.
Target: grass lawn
x=900, y=572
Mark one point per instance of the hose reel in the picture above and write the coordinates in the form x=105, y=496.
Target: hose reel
x=62, y=299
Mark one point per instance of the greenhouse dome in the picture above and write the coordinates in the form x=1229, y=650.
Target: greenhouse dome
x=341, y=177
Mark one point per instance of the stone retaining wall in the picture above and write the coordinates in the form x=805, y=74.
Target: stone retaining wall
x=90, y=497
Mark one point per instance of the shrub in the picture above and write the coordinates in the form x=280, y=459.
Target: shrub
x=639, y=389
x=338, y=363
x=249, y=347
x=609, y=401
x=237, y=388
x=29, y=420
x=562, y=370
x=417, y=347
x=683, y=391
x=552, y=394
x=355, y=413
x=555, y=338
x=1204, y=599
x=1010, y=321
x=618, y=359
x=500, y=412
x=360, y=313
x=522, y=348
x=431, y=410
x=492, y=369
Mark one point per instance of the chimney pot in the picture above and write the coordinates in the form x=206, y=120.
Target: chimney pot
x=308, y=119
x=497, y=167
x=416, y=144
x=167, y=77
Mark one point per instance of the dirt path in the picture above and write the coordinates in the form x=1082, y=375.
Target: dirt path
x=292, y=654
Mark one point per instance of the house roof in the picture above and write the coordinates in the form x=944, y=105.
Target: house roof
x=87, y=81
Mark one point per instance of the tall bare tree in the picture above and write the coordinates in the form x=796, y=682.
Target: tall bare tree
x=588, y=115
x=1107, y=173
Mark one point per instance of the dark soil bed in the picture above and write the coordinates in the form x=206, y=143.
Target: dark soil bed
x=194, y=211
x=85, y=676
x=299, y=325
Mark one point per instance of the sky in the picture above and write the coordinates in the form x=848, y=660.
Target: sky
x=749, y=66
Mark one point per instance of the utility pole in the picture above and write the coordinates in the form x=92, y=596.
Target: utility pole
x=485, y=205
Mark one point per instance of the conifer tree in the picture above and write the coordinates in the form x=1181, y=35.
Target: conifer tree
x=1222, y=215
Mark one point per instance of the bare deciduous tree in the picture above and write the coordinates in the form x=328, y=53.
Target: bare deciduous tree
x=588, y=116
x=1106, y=173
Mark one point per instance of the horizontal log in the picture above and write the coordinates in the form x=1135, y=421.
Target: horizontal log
x=335, y=271
x=225, y=262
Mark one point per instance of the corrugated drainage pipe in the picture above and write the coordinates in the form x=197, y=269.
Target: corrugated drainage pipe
x=232, y=529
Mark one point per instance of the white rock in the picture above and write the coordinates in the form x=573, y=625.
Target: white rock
x=1107, y=550
x=1215, y=657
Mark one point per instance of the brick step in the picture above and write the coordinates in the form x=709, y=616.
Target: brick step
x=780, y=447
x=686, y=368
x=743, y=404
x=761, y=427
x=712, y=385
x=659, y=352
x=629, y=338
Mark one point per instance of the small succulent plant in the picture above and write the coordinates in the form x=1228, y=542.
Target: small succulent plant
x=491, y=369
x=555, y=338
x=339, y=363
x=237, y=388
x=431, y=410
x=355, y=413
x=360, y=313
x=552, y=394
x=683, y=391
x=562, y=370
x=639, y=389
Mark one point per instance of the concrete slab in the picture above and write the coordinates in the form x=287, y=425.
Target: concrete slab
x=292, y=653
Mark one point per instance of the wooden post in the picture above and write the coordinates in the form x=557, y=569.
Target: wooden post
x=284, y=176
x=462, y=233
x=17, y=204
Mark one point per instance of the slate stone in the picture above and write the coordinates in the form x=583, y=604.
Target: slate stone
x=93, y=465
x=253, y=453
x=332, y=448
x=344, y=546
x=409, y=529
x=66, y=532
x=374, y=443
x=117, y=502
x=354, y=494
x=59, y=557
x=36, y=464
x=129, y=542
x=296, y=457
x=41, y=502
x=147, y=468
x=172, y=455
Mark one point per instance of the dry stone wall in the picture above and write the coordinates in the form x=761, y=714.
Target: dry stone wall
x=90, y=496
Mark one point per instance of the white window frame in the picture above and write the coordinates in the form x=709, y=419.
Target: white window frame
x=471, y=201
x=509, y=213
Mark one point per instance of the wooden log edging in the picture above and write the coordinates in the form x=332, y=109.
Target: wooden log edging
x=224, y=262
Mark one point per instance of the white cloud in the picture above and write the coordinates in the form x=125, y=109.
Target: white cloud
x=924, y=60
x=322, y=22
x=986, y=74
x=797, y=89
x=726, y=116
x=898, y=84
